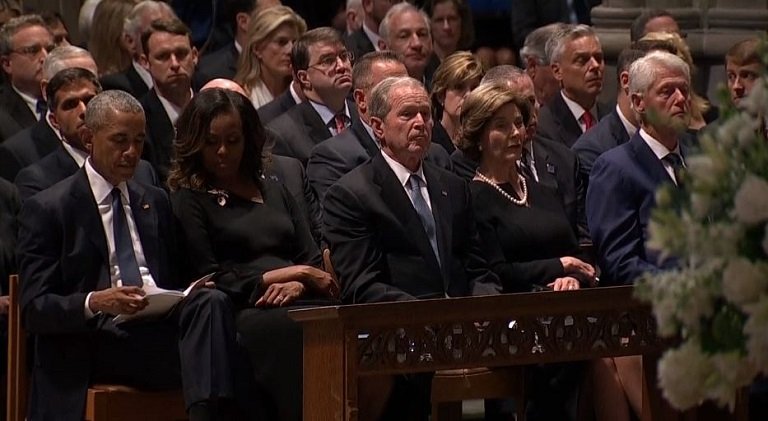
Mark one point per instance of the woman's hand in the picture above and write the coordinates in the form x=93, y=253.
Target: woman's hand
x=578, y=268
x=281, y=294
x=320, y=280
x=566, y=283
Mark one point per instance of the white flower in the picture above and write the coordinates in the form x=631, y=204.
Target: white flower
x=731, y=373
x=701, y=168
x=751, y=201
x=700, y=205
x=743, y=282
x=756, y=329
x=683, y=374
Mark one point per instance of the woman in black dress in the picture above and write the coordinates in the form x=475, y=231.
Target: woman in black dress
x=248, y=231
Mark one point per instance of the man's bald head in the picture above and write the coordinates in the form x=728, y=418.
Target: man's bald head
x=227, y=84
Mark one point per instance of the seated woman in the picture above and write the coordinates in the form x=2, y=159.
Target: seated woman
x=248, y=231
x=529, y=240
x=456, y=76
x=264, y=67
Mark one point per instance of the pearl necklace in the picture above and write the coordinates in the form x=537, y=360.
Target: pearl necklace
x=523, y=201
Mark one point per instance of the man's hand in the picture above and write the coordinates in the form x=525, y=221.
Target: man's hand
x=320, y=280
x=119, y=300
x=578, y=268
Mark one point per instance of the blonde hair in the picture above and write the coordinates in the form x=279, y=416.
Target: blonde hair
x=105, y=43
x=262, y=25
x=457, y=69
x=478, y=109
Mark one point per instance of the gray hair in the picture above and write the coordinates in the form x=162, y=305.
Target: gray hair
x=133, y=22
x=15, y=25
x=556, y=44
x=361, y=73
x=99, y=111
x=399, y=9
x=504, y=74
x=644, y=70
x=536, y=42
x=380, y=104
x=55, y=62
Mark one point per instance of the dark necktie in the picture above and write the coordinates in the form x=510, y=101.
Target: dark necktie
x=427, y=219
x=40, y=108
x=588, y=120
x=676, y=162
x=525, y=165
x=126, y=258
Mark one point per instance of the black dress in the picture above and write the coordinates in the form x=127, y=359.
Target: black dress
x=240, y=240
x=523, y=245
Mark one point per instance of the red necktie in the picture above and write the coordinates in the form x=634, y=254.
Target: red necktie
x=588, y=120
x=340, y=122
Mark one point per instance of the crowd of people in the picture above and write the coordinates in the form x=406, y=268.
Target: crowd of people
x=139, y=163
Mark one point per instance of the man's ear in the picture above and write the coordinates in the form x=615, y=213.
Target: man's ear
x=87, y=137
x=624, y=82
x=359, y=97
x=637, y=102
x=530, y=66
x=43, y=88
x=382, y=45
x=195, y=56
x=303, y=77
x=556, y=71
x=242, y=19
x=5, y=61
x=378, y=128
x=129, y=43
x=144, y=61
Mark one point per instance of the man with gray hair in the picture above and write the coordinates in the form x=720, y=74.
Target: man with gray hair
x=400, y=228
x=624, y=180
x=135, y=79
x=534, y=58
x=91, y=248
x=33, y=143
x=25, y=41
x=366, y=39
x=576, y=59
x=406, y=31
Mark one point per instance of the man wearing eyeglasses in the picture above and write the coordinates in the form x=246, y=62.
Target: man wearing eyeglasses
x=323, y=67
x=24, y=43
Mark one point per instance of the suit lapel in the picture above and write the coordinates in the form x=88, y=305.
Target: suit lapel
x=89, y=219
x=146, y=224
x=616, y=128
x=648, y=160
x=315, y=126
x=364, y=138
x=569, y=126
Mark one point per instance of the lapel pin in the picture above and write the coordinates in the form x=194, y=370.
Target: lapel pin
x=145, y=206
x=444, y=193
x=550, y=168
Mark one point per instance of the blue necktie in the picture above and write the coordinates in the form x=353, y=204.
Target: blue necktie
x=427, y=219
x=126, y=258
x=40, y=107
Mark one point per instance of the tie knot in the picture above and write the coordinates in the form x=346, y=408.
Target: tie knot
x=41, y=106
x=116, y=194
x=414, y=182
x=587, y=119
x=675, y=160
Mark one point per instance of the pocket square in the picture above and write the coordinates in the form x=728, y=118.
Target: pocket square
x=145, y=206
x=551, y=168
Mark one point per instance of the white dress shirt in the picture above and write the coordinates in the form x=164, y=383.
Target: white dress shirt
x=403, y=174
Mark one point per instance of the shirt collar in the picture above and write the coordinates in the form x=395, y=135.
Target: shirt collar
x=325, y=113
x=576, y=109
x=296, y=98
x=401, y=172
x=374, y=37
x=143, y=74
x=76, y=154
x=238, y=47
x=171, y=109
x=55, y=130
x=658, y=149
x=369, y=129
x=101, y=188
x=629, y=127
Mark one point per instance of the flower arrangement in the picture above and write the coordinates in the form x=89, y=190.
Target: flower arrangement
x=717, y=226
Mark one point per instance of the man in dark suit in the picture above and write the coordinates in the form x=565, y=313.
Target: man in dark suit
x=85, y=255
x=400, y=228
x=527, y=15
x=33, y=143
x=576, y=58
x=68, y=94
x=9, y=208
x=322, y=65
x=614, y=129
x=366, y=39
x=406, y=30
x=135, y=79
x=171, y=59
x=25, y=42
x=284, y=102
x=331, y=159
x=534, y=59
x=624, y=180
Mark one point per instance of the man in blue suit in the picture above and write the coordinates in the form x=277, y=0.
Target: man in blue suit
x=624, y=180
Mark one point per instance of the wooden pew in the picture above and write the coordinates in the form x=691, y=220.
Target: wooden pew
x=342, y=343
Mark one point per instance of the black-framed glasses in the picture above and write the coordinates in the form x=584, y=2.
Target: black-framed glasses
x=34, y=50
x=330, y=60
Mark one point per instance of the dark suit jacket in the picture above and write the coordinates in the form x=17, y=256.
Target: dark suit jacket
x=15, y=110
x=221, y=63
x=63, y=256
x=299, y=129
x=59, y=165
x=528, y=15
x=128, y=80
x=291, y=174
x=379, y=247
x=608, y=134
x=9, y=208
x=276, y=107
x=160, y=133
x=621, y=196
x=333, y=158
x=27, y=147
x=358, y=43
x=556, y=122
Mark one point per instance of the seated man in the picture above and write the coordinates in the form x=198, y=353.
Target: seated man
x=87, y=247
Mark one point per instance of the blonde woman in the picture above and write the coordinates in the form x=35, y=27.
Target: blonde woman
x=264, y=69
x=106, y=41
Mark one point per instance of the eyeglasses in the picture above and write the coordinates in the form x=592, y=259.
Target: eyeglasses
x=331, y=60
x=34, y=50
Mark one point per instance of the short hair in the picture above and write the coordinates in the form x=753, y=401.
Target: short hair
x=98, y=113
x=261, y=26
x=536, y=42
x=477, y=110
x=230, y=9
x=467, y=37
x=192, y=130
x=133, y=22
x=361, y=73
x=644, y=71
x=15, y=25
x=556, y=44
x=455, y=70
x=52, y=18
x=54, y=63
x=637, y=29
x=65, y=78
x=627, y=56
x=745, y=52
x=397, y=9
x=172, y=26
x=300, y=52
x=380, y=104
x=654, y=44
x=505, y=73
